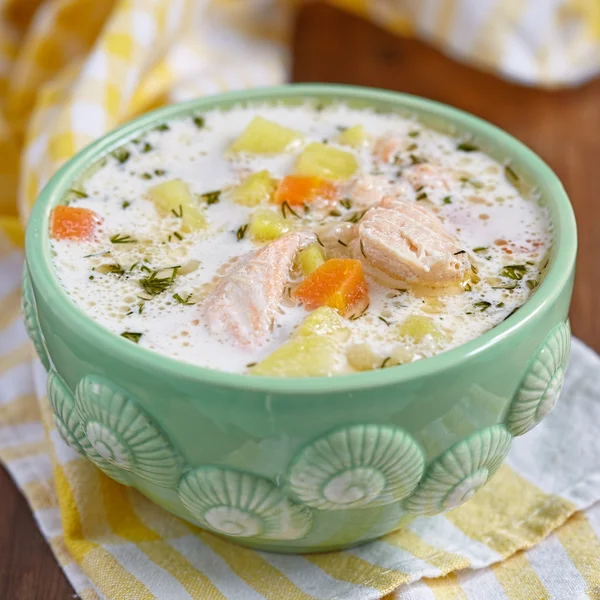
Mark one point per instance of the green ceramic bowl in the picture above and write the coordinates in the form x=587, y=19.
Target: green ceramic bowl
x=300, y=465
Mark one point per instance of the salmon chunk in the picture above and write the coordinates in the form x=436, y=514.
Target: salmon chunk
x=244, y=304
x=408, y=243
x=427, y=176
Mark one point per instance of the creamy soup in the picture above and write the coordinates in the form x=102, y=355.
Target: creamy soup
x=300, y=240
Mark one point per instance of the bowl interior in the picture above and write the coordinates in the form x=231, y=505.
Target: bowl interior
x=497, y=143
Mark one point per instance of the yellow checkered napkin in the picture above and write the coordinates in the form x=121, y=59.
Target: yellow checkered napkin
x=71, y=70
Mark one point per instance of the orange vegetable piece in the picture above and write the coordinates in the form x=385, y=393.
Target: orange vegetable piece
x=339, y=283
x=73, y=223
x=297, y=189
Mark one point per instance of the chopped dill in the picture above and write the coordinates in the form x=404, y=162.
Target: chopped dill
x=146, y=176
x=184, y=301
x=153, y=285
x=319, y=241
x=146, y=148
x=384, y=320
x=385, y=361
x=335, y=213
x=122, y=239
x=354, y=317
x=416, y=160
x=285, y=206
x=342, y=243
x=511, y=313
x=78, y=193
x=211, y=197
x=178, y=235
x=510, y=174
x=412, y=147
x=125, y=204
x=467, y=147
x=159, y=172
x=422, y=196
x=362, y=249
x=460, y=252
x=121, y=155
x=241, y=232
x=480, y=249
x=414, y=134
x=162, y=127
x=145, y=268
x=133, y=266
x=447, y=200
x=346, y=203
x=199, y=121
x=131, y=336
x=531, y=284
x=515, y=272
x=483, y=305
x=178, y=213
x=250, y=365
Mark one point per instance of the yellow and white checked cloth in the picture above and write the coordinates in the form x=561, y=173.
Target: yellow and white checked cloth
x=72, y=69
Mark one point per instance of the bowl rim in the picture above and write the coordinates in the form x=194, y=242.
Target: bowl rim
x=42, y=270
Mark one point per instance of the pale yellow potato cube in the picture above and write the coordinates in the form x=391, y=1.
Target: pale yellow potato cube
x=174, y=198
x=254, y=190
x=311, y=259
x=355, y=136
x=322, y=160
x=267, y=225
x=262, y=136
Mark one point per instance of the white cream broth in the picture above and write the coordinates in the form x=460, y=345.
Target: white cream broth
x=478, y=203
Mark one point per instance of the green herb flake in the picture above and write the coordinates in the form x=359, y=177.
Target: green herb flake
x=178, y=235
x=153, y=285
x=342, y=243
x=241, y=232
x=422, y=196
x=319, y=241
x=460, y=252
x=146, y=176
x=412, y=147
x=91, y=277
x=511, y=313
x=159, y=172
x=354, y=317
x=447, y=200
x=250, y=365
x=510, y=174
x=335, y=213
x=516, y=272
x=286, y=207
x=467, y=147
x=162, y=127
x=500, y=305
x=199, y=122
x=480, y=249
x=416, y=160
x=468, y=287
x=125, y=204
x=147, y=147
x=483, y=305
x=184, y=301
x=78, y=193
x=414, y=134
x=385, y=361
x=211, y=197
x=179, y=212
x=121, y=155
x=384, y=320
x=122, y=239
x=362, y=249
x=531, y=284
x=346, y=203
x=131, y=336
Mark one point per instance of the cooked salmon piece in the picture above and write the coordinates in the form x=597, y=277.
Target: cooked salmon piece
x=409, y=244
x=427, y=176
x=387, y=147
x=367, y=191
x=245, y=302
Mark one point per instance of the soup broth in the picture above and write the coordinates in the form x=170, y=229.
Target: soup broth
x=299, y=240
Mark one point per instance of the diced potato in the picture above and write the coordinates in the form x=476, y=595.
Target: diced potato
x=400, y=355
x=174, y=198
x=354, y=137
x=254, y=190
x=323, y=321
x=262, y=136
x=303, y=356
x=417, y=327
x=321, y=160
x=311, y=259
x=362, y=358
x=267, y=225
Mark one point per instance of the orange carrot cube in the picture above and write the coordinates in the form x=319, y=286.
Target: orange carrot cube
x=298, y=189
x=73, y=223
x=339, y=283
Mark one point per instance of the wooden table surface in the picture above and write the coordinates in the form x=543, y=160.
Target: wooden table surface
x=332, y=46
